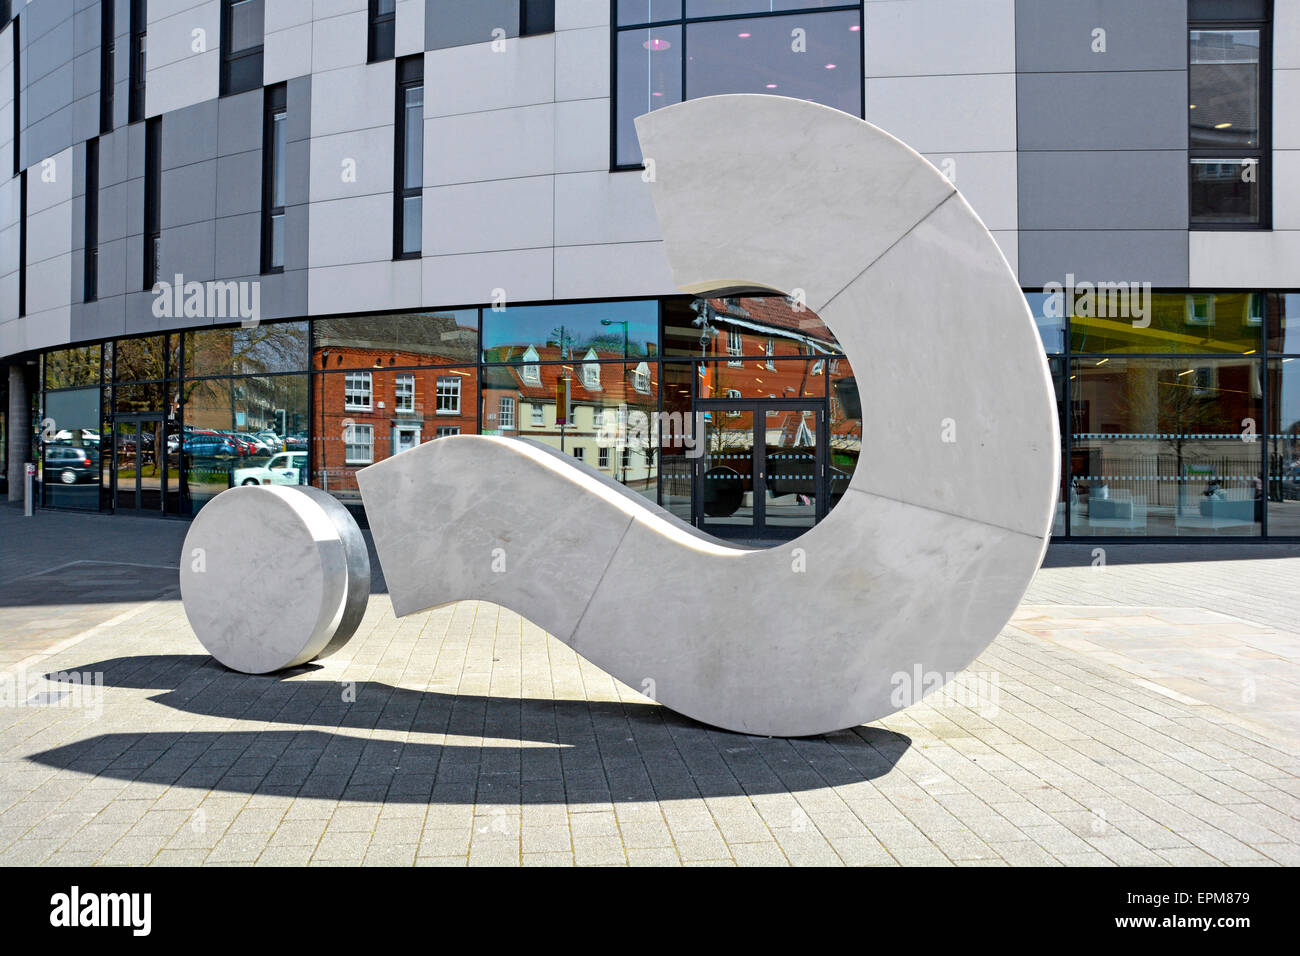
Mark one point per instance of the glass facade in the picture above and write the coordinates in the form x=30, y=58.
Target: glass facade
x=1179, y=411
x=666, y=51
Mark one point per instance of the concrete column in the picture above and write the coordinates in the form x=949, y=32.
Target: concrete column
x=20, y=442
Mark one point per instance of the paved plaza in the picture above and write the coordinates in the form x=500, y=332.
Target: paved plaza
x=1144, y=712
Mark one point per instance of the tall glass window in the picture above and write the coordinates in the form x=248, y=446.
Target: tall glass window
x=383, y=14
x=666, y=52
x=241, y=45
x=409, y=174
x=273, y=180
x=1228, y=123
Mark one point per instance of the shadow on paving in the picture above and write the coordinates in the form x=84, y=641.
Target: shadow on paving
x=568, y=750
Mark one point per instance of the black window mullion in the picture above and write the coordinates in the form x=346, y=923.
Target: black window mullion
x=410, y=77
x=273, y=159
x=136, y=66
x=91, y=245
x=107, y=48
x=152, y=200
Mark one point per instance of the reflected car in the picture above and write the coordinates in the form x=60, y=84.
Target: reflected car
x=272, y=441
x=71, y=464
x=295, y=442
x=286, y=468
x=211, y=446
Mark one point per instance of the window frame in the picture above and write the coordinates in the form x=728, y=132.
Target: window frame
x=404, y=397
x=447, y=400
x=137, y=66
x=683, y=21
x=90, y=245
x=152, y=202
x=107, y=63
x=348, y=390
x=350, y=441
x=1263, y=152
x=409, y=75
x=505, y=422
x=381, y=33
x=275, y=108
x=230, y=57
x=543, y=17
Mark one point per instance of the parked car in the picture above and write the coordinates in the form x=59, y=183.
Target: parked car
x=286, y=468
x=295, y=442
x=71, y=464
x=211, y=446
x=256, y=444
x=272, y=440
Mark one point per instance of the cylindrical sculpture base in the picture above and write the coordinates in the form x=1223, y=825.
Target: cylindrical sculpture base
x=274, y=576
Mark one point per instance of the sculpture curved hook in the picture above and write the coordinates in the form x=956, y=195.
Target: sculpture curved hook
x=927, y=553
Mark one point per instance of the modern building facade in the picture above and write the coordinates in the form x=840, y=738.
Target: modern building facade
x=250, y=241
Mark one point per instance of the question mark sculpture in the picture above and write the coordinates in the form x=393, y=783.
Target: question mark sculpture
x=917, y=568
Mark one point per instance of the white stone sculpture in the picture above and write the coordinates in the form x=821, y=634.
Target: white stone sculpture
x=944, y=522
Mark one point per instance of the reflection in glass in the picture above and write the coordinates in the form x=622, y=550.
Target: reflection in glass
x=677, y=437
x=70, y=456
x=1049, y=317
x=140, y=360
x=540, y=333
x=758, y=56
x=68, y=368
x=1223, y=80
x=727, y=472
x=648, y=11
x=1224, y=190
x=649, y=77
x=444, y=337
x=267, y=347
x=845, y=428
x=1284, y=323
x=1283, y=447
x=404, y=409
x=1161, y=446
x=609, y=421
x=736, y=326
x=1169, y=322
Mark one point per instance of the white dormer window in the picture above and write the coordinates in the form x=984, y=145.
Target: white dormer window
x=532, y=372
x=590, y=370
x=641, y=378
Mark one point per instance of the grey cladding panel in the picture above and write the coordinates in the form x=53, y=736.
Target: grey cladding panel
x=1056, y=36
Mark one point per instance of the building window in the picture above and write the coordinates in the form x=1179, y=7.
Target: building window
x=627, y=457
x=408, y=176
x=1228, y=116
x=356, y=391
x=22, y=237
x=538, y=419
x=382, y=23
x=274, y=128
x=813, y=55
x=536, y=16
x=448, y=395
x=580, y=453
x=90, y=277
x=770, y=349
x=241, y=45
x=641, y=378
x=735, y=346
x=152, y=200
x=404, y=393
x=136, y=68
x=442, y=431
x=17, y=99
x=359, y=444
x=107, y=47
x=602, y=457
x=506, y=413
x=532, y=374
